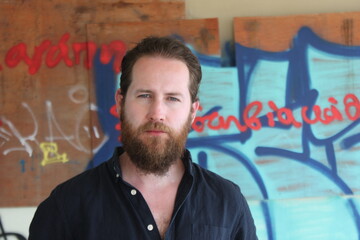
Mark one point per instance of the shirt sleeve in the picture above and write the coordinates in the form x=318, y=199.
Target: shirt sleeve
x=49, y=222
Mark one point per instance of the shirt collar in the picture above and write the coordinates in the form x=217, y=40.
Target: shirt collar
x=116, y=169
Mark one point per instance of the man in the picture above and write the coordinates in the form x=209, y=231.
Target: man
x=150, y=188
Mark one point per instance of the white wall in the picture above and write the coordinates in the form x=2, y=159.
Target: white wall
x=16, y=220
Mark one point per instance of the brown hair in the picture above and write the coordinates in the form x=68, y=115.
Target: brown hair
x=165, y=47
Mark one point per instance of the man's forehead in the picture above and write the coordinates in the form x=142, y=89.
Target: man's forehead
x=171, y=68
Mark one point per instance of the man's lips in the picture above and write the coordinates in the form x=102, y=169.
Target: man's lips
x=155, y=132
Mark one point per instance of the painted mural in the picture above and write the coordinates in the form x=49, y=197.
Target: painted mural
x=285, y=127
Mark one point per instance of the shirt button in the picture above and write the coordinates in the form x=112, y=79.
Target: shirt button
x=150, y=227
x=133, y=192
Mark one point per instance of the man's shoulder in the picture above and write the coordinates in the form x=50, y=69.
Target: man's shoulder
x=84, y=182
x=217, y=193
x=214, y=181
x=69, y=203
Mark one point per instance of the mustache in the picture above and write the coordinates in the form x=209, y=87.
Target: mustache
x=155, y=126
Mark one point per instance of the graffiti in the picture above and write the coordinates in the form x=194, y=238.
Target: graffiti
x=319, y=144
x=283, y=115
x=12, y=235
x=52, y=54
x=51, y=155
x=4, y=135
x=14, y=131
x=282, y=127
x=289, y=137
x=55, y=132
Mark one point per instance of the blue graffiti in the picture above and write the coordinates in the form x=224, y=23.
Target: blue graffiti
x=298, y=93
x=293, y=78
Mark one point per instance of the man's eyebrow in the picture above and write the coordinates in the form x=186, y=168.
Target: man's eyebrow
x=174, y=94
x=143, y=91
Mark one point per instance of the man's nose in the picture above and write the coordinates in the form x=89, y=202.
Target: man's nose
x=156, y=111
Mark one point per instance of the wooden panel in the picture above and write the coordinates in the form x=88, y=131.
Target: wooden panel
x=302, y=74
x=48, y=124
x=202, y=34
x=276, y=33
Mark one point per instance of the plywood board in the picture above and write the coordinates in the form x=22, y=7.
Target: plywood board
x=277, y=33
x=49, y=129
x=299, y=81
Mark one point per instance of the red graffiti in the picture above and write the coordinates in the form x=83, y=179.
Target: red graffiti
x=52, y=54
x=116, y=49
x=352, y=108
x=114, y=112
x=283, y=115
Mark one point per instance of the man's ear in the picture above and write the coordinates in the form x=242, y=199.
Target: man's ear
x=194, y=108
x=118, y=100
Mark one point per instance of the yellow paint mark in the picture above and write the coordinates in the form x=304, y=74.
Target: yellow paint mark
x=51, y=155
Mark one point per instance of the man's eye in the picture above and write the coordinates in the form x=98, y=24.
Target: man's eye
x=174, y=99
x=144, y=96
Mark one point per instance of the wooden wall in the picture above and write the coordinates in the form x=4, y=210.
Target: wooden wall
x=46, y=113
x=283, y=123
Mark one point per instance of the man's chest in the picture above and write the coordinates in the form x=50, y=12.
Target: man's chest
x=161, y=204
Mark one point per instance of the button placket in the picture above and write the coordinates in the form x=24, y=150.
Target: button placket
x=139, y=204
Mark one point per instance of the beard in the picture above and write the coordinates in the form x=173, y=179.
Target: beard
x=153, y=154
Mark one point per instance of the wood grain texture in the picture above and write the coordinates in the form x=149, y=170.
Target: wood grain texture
x=45, y=103
x=276, y=33
x=202, y=34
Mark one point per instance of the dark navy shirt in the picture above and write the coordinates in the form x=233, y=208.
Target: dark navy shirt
x=98, y=204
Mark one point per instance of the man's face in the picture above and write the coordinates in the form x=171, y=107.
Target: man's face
x=157, y=113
